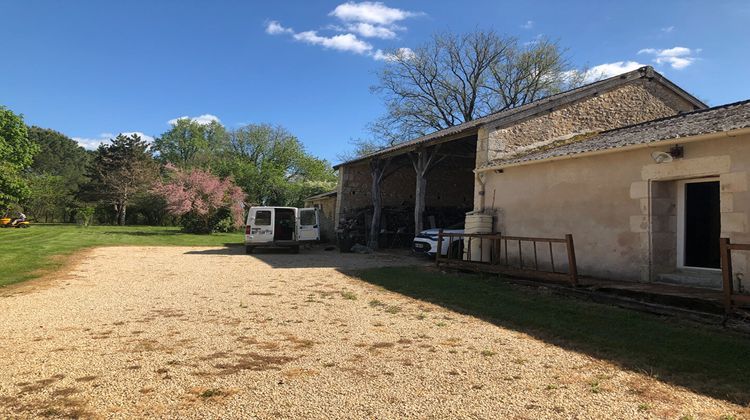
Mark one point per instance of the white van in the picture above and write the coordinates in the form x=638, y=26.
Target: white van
x=280, y=227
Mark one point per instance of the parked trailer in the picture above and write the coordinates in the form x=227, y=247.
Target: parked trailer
x=281, y=227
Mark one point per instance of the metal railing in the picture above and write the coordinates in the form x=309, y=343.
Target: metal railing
x=496, y=255
x=732, y=297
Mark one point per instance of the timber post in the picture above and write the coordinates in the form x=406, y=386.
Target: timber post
x=726, y=273
x=439, y=247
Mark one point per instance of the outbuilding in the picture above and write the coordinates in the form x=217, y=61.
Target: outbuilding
x=326, y=205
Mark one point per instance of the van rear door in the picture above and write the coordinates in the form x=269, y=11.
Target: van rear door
x=308, y=225
x=260, y=225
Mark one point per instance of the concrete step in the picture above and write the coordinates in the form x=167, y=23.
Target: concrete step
x=704, y=279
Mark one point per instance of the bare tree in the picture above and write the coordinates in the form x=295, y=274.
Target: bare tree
x=454, y=79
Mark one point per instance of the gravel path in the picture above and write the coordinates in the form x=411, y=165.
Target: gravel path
x=209, y=333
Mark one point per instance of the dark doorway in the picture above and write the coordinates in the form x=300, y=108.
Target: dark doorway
x=284, y=225
x=702, y=224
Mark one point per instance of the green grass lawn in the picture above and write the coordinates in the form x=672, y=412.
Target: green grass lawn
x=706, y=359
x=29, y=253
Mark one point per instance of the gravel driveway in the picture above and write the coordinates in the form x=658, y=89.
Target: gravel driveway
x=196, y=332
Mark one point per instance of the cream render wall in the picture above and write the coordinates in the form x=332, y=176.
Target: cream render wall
x=606, y=203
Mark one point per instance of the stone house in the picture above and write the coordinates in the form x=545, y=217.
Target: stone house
x=646, y=202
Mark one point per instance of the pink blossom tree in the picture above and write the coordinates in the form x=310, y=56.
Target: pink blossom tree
x=203, y=201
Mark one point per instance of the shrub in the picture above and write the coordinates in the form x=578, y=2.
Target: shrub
x=84, y=215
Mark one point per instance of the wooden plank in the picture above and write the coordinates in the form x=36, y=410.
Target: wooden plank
x=552, y=257
x=531, y=238
x=572, y=266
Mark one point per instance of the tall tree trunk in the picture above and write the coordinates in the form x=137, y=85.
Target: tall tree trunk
x=121, y=209
x=377, y=170
x=423, y=160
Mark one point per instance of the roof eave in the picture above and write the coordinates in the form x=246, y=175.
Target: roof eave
x=653, y=144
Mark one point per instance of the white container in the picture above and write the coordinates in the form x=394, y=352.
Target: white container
x=478, y=223
x=480, y=248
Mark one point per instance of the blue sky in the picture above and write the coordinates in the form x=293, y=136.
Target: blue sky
x=92, y=68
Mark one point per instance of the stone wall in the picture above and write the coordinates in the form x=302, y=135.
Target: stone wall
x=448, y=185
x=326, y=211
x=636, y=102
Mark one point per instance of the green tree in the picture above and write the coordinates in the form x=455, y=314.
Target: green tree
x=272, y=166
x=60, y=162
x=119, y=171
x=16, y=154
x=190, y=144
x=49, y=196
x=61, y=156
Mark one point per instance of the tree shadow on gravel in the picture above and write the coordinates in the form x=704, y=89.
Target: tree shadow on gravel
x=229, y=249
x=311, y=256
x=703, y=358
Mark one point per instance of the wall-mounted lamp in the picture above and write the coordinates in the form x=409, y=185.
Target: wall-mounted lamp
x=661, y=157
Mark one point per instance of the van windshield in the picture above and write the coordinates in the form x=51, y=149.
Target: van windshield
x=263, y=218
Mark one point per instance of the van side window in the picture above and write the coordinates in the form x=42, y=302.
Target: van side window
x=263, y=218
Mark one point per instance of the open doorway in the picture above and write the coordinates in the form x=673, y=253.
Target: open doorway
x=699, y=224
x=284, y=225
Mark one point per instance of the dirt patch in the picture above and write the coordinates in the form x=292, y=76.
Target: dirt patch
x=47, y=278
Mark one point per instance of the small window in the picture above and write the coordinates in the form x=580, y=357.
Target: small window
x=307, y=218
x=263, y=218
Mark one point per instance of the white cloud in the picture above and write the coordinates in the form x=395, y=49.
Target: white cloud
x=615, y=68
x=90, y=143
x=368, y=30
x=371, y=12
x=667, y=29
x=603, y=71
x=204, y=119
x=677, y=57
x=357, y=21
x=274, y=28
x=343, y=42
x=146, y=137
x=401, y=52
x=528, y=25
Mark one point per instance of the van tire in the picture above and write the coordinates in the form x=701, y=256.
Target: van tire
x=295, y=249
x=248, y=249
